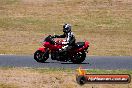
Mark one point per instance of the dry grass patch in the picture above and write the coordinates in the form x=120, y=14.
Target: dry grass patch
x=4, y=85
x=105, y=23
x=47, y=78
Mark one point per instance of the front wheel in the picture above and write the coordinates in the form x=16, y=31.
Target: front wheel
x=40, y=56
x=79, y=58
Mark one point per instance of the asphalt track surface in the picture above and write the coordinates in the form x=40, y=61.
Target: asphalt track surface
x=91, y=62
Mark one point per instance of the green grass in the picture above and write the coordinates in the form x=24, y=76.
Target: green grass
x=69, y=70
x=98, y=71
x=9, y=2
x=90, y=71
x=40, y=70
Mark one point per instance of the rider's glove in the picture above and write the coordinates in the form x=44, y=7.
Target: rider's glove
x=65, y=43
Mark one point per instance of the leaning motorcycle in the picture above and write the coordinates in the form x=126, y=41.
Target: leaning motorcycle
x=76, y=54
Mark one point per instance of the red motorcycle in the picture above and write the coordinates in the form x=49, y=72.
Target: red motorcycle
x=76, y=54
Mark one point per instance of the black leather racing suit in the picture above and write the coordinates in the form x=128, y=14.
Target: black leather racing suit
x=70, y=39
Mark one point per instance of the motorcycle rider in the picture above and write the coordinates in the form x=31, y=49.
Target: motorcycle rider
x=70, y=38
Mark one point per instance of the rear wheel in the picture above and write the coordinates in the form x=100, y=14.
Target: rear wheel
x=79, y=58
x=40, y=56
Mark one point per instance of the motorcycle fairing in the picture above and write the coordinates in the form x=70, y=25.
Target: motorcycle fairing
x=84, y=46
x=42, y=49
x=79, y=44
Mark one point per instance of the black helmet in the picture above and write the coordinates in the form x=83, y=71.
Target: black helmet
x=66, y=28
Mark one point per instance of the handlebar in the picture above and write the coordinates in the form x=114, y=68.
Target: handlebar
x=50, y=39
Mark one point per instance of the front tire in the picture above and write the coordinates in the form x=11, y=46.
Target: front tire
x=40, y=56
x=79, y=58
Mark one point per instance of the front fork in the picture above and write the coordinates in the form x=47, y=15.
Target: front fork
x=46, y=53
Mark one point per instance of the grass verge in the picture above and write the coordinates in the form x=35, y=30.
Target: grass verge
x=52, y=78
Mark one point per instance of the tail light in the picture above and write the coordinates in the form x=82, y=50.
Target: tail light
x=86, y=44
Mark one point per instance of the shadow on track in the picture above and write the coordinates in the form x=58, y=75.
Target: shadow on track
x=62, y=62
x=48, y=62
x=73, y=63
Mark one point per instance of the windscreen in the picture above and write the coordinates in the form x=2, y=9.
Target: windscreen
x=47, y=39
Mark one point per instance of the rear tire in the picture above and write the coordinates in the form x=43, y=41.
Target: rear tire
x=40, y=56
x=79, y=58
